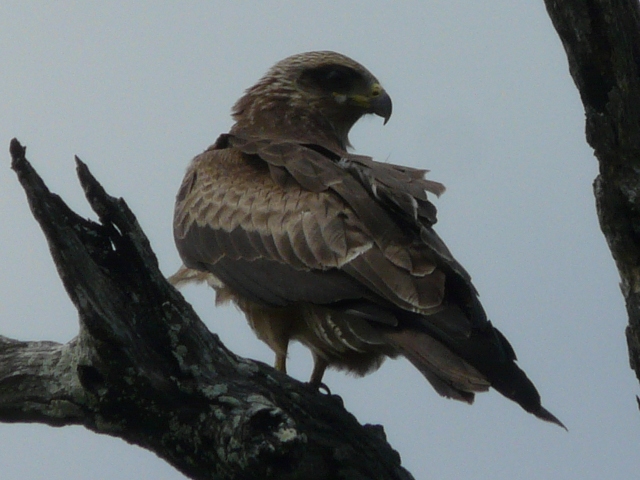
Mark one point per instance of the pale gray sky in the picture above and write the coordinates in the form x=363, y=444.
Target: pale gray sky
x=482, y=98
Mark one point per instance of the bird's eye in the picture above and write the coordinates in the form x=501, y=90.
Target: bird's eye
x=333, y=78
x=336, y=80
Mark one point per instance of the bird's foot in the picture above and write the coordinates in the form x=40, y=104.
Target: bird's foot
x=320, y=387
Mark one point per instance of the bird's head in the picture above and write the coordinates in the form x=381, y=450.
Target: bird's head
x=311, y=94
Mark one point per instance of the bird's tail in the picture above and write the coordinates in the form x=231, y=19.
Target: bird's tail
x=461, y=364
x=449, y=374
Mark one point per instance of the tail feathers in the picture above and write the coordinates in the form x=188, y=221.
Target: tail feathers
x=459, y=373
x=544, y=414
x=442, y=387
x=513, y=383
x=449, y=374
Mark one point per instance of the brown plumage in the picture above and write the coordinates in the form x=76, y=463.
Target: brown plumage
x=332, y=249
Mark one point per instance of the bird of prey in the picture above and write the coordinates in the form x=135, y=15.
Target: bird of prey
x=331, y=249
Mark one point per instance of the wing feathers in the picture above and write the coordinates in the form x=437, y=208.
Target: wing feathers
x=301, y=246
x=282, y=224
x=313, y=238
x=418, y=294
x=402, y=187
x=325, y=219
x=286, y=253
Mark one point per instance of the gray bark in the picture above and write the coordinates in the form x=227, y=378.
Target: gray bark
x=146, y=369
x=602, y=42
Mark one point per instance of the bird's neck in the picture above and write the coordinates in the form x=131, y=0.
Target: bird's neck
x=281, y=121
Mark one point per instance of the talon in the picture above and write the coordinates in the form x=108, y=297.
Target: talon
x=323, y=386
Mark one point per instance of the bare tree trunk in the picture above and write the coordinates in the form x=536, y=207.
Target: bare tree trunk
x=146, y=369
x=602, y=41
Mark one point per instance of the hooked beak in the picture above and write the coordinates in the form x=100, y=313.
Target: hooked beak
x=375, y=101
x=379, y=102
x=381, y=105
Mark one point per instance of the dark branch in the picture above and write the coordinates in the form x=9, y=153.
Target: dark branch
x=602, y=41
x=38, y=383
x=146, y=369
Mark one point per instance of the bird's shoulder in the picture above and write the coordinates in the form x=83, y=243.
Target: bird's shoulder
x=231, y=190
x=251, y=210
x=282, y=186
x=392, y=190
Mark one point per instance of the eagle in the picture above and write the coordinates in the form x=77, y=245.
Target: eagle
x=332, y=249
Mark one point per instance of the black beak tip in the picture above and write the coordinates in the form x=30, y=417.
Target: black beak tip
x=382, y=106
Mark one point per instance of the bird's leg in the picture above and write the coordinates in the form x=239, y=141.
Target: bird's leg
x=281, y=348
x=273, y=327
x=319, y=366
x=281, y=362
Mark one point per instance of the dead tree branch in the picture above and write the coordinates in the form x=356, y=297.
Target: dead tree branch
x=146, y=369
x=602, y=41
